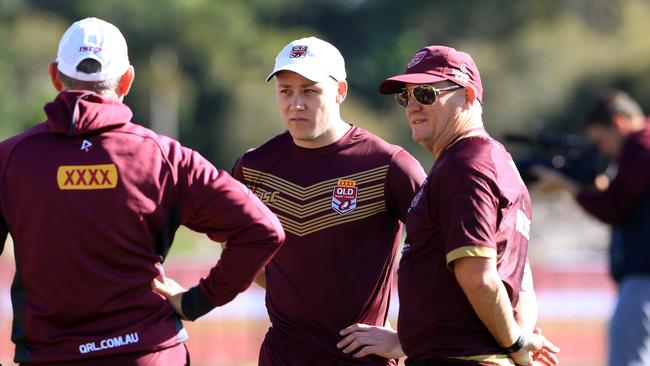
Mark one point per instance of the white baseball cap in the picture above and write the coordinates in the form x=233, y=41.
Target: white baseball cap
x=312, y=58
x=96, y=39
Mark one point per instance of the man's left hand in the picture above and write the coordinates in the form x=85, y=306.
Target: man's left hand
x=370, y=340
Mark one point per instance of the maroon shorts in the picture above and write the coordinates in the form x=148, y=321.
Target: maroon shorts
x=174, y=356
x=273, y=354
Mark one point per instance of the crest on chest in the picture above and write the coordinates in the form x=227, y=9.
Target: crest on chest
x=344, y=196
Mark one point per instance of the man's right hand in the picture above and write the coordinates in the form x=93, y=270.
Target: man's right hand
x=172, y=291
x=537, y=351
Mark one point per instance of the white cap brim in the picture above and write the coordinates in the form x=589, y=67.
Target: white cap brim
x=312, y=73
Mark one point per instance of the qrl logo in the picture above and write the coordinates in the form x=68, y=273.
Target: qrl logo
x=84, y=177
x=344, y=197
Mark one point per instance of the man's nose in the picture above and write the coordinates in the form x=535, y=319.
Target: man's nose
x=298, y=103
x=413, y=104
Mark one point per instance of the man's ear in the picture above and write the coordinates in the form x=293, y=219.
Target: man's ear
x=54, y=76
x=125, y=83
x=342, y=91
x=470, y=95
x=622, y=123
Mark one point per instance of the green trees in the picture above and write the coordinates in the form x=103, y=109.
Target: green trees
x=205, y=61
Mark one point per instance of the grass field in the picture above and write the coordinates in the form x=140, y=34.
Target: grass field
x=235, y=342
x=573, y=309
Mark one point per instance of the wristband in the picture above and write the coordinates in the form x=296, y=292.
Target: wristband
x=515, y=346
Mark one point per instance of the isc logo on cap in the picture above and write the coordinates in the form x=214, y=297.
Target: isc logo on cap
x=85, y=177
x=344, y=196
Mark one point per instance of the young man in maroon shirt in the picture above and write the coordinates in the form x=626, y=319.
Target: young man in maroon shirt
x=464, y=283
x=92, y=202
x=341, y=194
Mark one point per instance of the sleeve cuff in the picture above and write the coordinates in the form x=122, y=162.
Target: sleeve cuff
x=194, y=304
x=471, y=251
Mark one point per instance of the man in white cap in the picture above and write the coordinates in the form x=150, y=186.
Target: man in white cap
x=92, y=202
x=341, y=194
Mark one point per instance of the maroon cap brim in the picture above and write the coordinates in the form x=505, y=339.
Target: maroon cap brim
x=396, y=83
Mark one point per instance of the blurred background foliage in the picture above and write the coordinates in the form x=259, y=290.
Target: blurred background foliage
x=200, y=70
x=201, y=64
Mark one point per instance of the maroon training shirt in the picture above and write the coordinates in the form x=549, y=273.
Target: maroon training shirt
x=472, y=204
x=341, y=207
x=626, y=205
x=92, y=202
x=631, y=183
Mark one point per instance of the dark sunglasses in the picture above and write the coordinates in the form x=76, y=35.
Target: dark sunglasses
x=423, y=94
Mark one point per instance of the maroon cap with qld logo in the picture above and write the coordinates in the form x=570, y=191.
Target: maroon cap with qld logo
x=436, y=63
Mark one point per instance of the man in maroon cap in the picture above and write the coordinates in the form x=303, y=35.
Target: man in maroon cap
x=465, y=285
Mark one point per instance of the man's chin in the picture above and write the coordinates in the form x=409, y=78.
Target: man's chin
x=422, y=141
x=302, y=136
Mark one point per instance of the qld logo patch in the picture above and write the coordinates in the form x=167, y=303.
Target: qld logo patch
x=84, y=177
x=298, y=52
x=344, y=196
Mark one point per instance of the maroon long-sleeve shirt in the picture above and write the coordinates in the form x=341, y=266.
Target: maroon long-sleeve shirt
x=92, y=202
x=626, y=205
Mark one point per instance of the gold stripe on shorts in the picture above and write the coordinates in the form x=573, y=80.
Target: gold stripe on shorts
x=497, y=360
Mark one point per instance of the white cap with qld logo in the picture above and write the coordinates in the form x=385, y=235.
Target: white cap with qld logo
x=96, y=39
x=312, y=58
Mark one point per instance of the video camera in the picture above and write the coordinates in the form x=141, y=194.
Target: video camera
x=571, y=154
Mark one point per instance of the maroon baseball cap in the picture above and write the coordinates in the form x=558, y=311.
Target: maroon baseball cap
x=436, y=63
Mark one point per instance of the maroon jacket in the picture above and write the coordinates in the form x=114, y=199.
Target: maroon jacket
x=92, y=202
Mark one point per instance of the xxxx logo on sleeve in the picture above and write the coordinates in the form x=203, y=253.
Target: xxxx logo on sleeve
x=84, y=177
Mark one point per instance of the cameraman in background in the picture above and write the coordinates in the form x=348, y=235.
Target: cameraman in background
x=617, y=127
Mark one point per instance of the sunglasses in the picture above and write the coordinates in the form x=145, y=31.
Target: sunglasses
x=423, y=94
